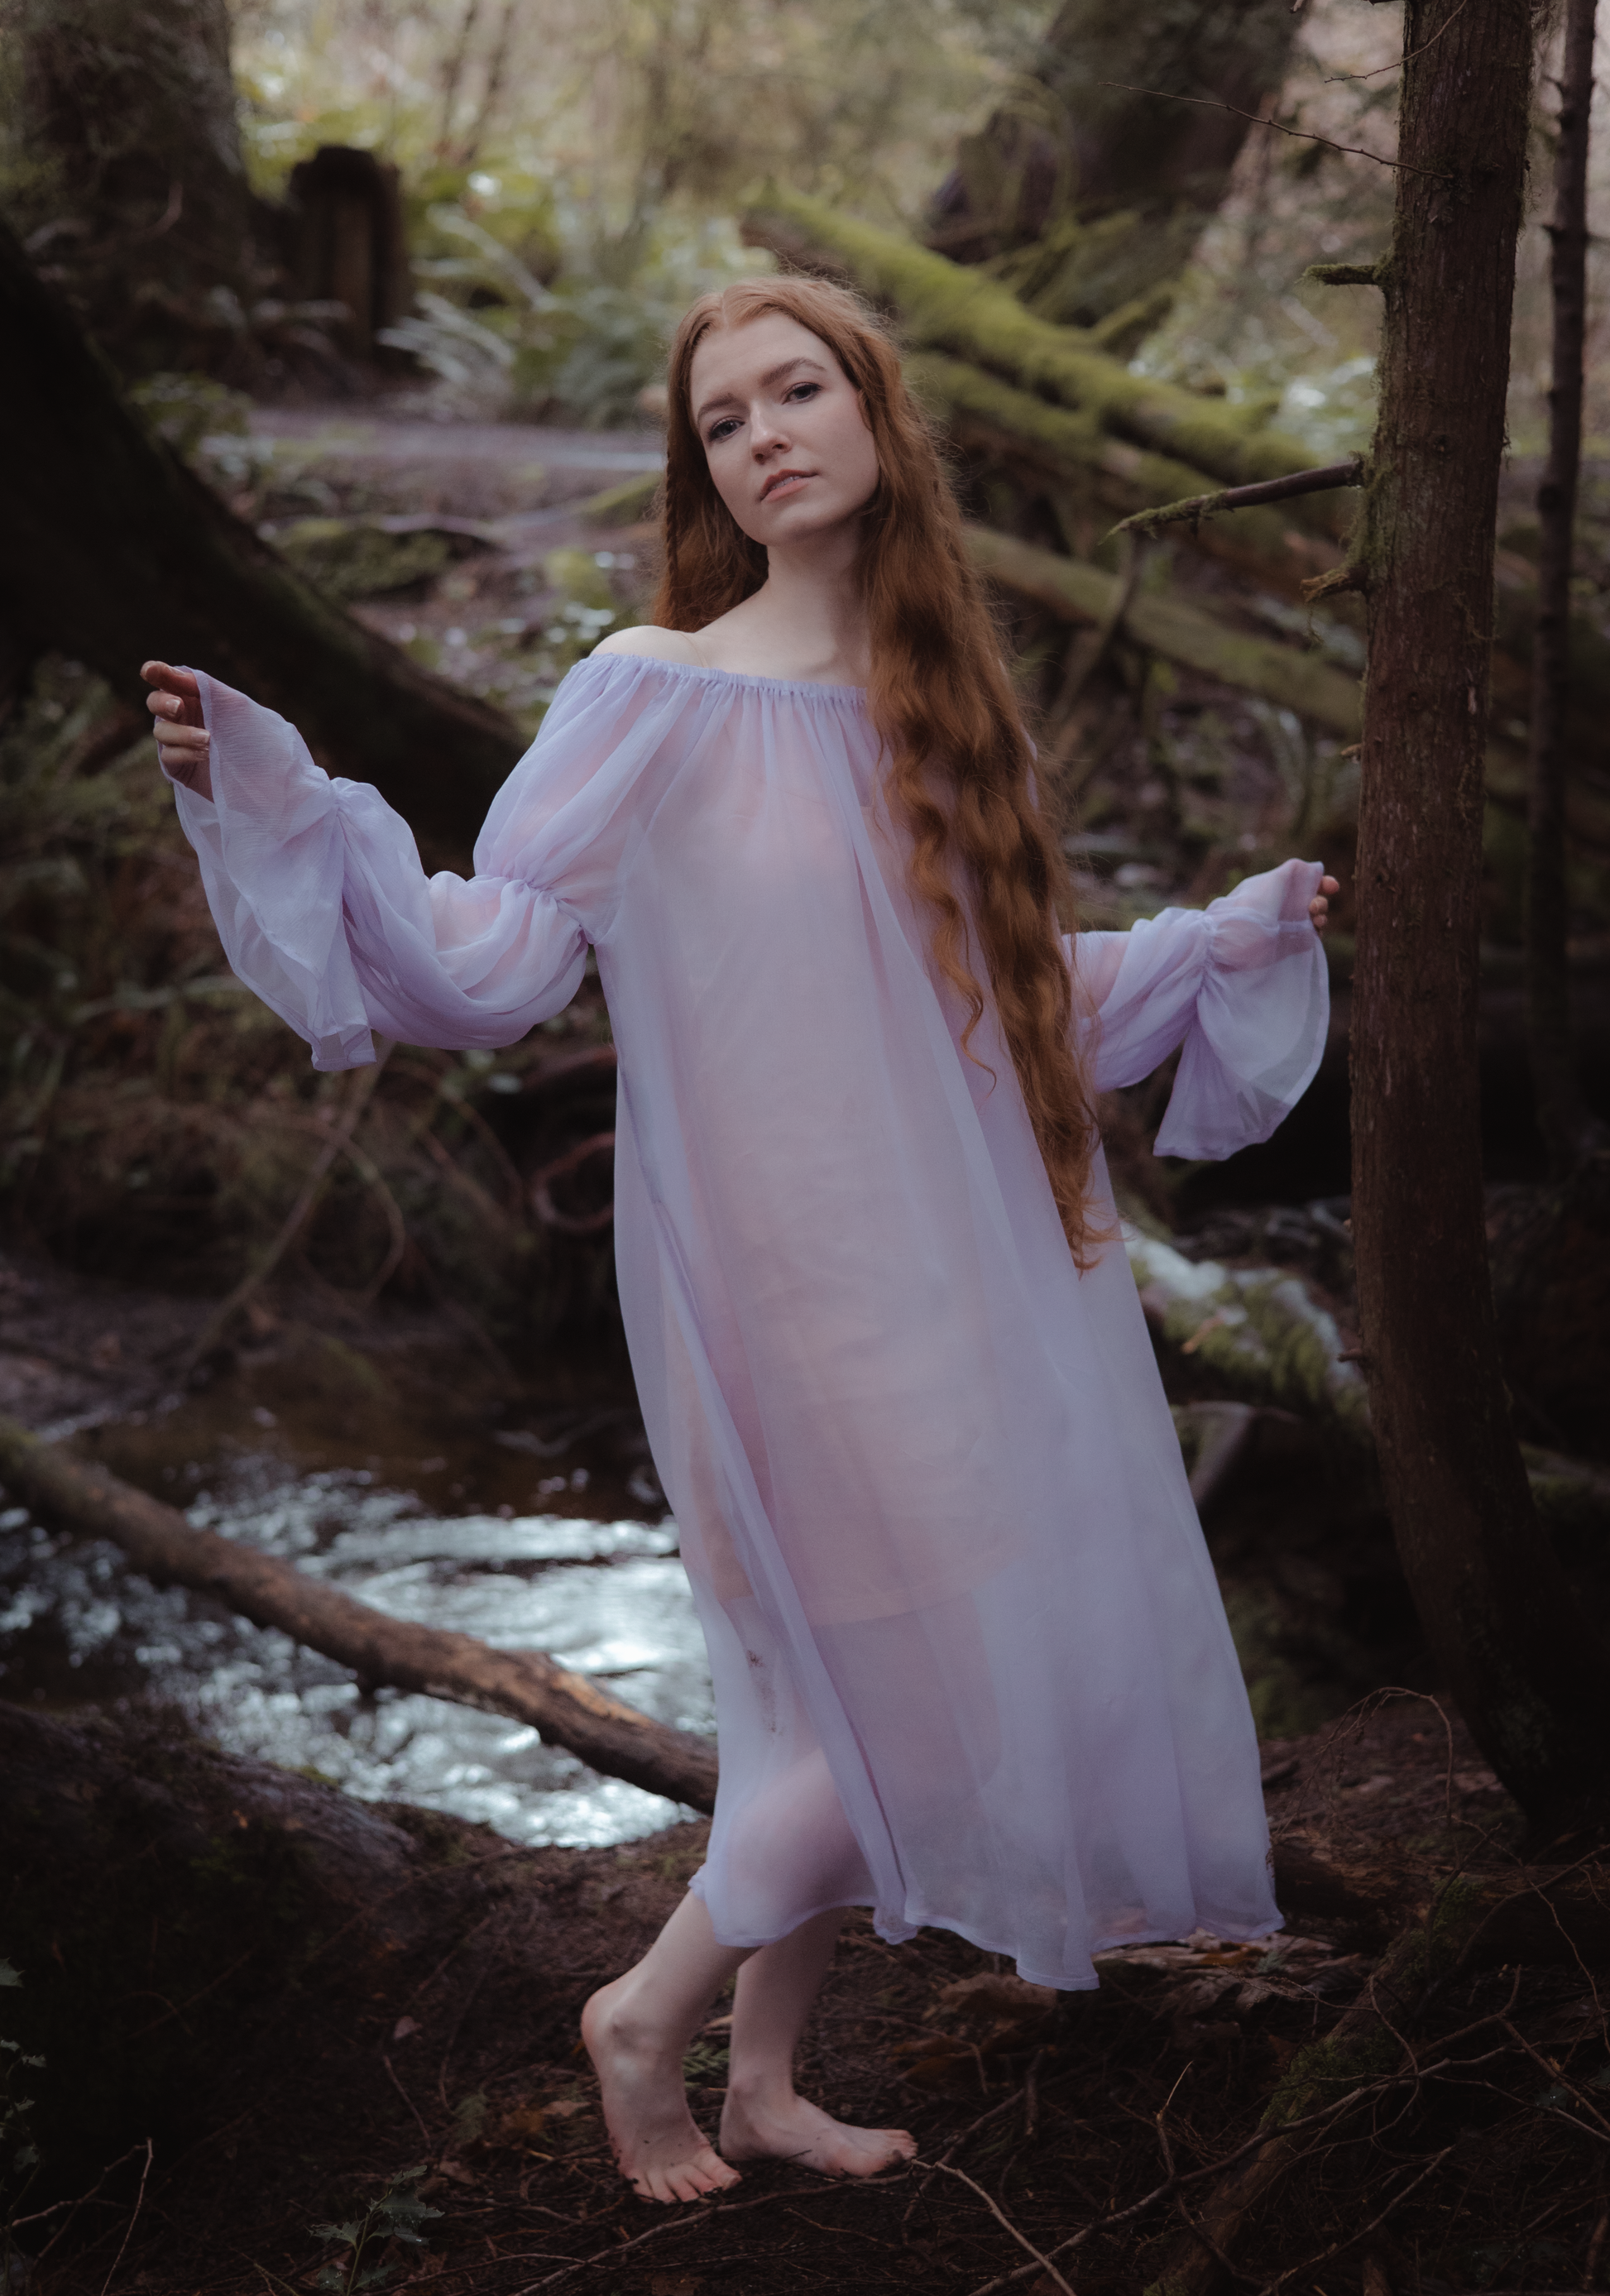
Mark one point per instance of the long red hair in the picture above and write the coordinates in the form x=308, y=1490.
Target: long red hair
x=959, y=759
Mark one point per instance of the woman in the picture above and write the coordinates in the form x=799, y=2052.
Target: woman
x=970, y=1660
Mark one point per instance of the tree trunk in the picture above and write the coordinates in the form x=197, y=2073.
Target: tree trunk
x=1529, y=1675
x=128, y=176
x=1561, y=1116
x=1101, y=182
x=527, y=1685
x=115, y=552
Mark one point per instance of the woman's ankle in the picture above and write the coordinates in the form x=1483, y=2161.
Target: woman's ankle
x=760, y=2088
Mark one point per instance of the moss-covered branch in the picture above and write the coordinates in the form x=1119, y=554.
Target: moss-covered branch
x=1259, y=1333
x=1178, y=632
x=944, y=307
x=1195, y=508
x=984, y=414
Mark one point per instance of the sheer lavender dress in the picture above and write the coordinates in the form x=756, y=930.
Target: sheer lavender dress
x=970, y=1660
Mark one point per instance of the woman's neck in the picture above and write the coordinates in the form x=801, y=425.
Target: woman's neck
x=808, y=620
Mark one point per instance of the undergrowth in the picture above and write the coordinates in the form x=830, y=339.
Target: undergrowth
x=159, y=1123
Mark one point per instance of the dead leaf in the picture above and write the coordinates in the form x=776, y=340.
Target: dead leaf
x=403, y=2027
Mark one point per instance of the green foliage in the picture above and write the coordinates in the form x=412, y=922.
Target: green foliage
x=185, y=409
x=351, y=558
x=500, y=337
x=396, y=2215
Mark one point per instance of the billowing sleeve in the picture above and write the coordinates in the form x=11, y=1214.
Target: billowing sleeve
x=325, y=909
x=1240, y=985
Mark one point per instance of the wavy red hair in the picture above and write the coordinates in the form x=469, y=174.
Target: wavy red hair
x=982, y=859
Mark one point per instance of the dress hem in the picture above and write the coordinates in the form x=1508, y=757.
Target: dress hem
x=902, y=1930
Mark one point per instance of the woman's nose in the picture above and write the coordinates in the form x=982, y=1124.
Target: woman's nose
x=765, y=435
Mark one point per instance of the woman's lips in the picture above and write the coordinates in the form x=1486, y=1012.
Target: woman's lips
x=775, y=486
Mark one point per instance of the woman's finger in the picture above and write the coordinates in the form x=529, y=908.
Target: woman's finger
x=175, y=688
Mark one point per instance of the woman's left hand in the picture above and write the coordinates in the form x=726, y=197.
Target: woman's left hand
x=1319, y=908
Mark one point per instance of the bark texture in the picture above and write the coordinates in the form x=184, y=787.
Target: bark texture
x=1512, y=1646
x=115, y=552
x=527, y=1685
x=127, y=172
x=1089, y=180
x=1561, y=1116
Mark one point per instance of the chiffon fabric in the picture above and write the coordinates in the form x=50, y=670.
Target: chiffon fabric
x=970, y=1660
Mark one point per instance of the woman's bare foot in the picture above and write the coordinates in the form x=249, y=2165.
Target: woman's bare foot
x=782, y=2126
x=639, y=2068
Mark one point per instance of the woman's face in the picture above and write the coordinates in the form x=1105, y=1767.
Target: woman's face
x=783, y=429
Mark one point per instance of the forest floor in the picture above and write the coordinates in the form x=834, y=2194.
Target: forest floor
x=450, y=2075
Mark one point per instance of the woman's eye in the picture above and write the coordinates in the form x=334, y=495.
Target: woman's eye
x=719, y=430
x=809, y=389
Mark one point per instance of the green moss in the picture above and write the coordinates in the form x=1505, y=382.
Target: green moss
x=1176, y=631
x=944, y=306
x=1327, y=2070
x=351, y=558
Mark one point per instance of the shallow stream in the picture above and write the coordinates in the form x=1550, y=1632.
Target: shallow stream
x=608, y=1598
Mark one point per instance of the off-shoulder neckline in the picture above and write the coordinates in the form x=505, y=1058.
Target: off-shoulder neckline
x=855, y=695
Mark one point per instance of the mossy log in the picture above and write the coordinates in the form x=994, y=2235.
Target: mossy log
x=115, y=552
x=527, y=1685
x=1169, y=627
x=944, y=308
x=1259, y=1332
x=985, y=415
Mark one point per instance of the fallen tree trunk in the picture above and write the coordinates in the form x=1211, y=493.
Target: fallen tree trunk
x=1169, y=627
x=527, y=1685
x=116, y=553
x=1259, y=1333
x=984, y=415
x=945, y=307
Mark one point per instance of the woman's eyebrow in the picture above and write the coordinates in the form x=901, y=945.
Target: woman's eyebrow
x=772, y=375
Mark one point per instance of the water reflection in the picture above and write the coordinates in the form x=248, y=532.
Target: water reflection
x=607, y=1598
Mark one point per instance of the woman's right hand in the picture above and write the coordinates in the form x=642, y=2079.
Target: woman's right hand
x=183, y=740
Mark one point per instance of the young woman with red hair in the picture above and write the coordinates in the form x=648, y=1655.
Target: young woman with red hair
x=970, y=1661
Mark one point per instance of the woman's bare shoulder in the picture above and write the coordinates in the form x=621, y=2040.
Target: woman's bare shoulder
x=658, y=645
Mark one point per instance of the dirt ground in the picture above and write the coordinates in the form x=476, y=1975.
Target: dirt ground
x=440, y=2070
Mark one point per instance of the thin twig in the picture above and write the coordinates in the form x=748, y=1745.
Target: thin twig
x=702, y=2212
x=134, y=2220
x=1262, y=2136
x=1351, y=2239
x=1195, y=508
x=1004, y=2221
x=342, y=1132
x=1302, y=135
x=1397, y=64
x=407, y=2100
x=1564, y=2081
